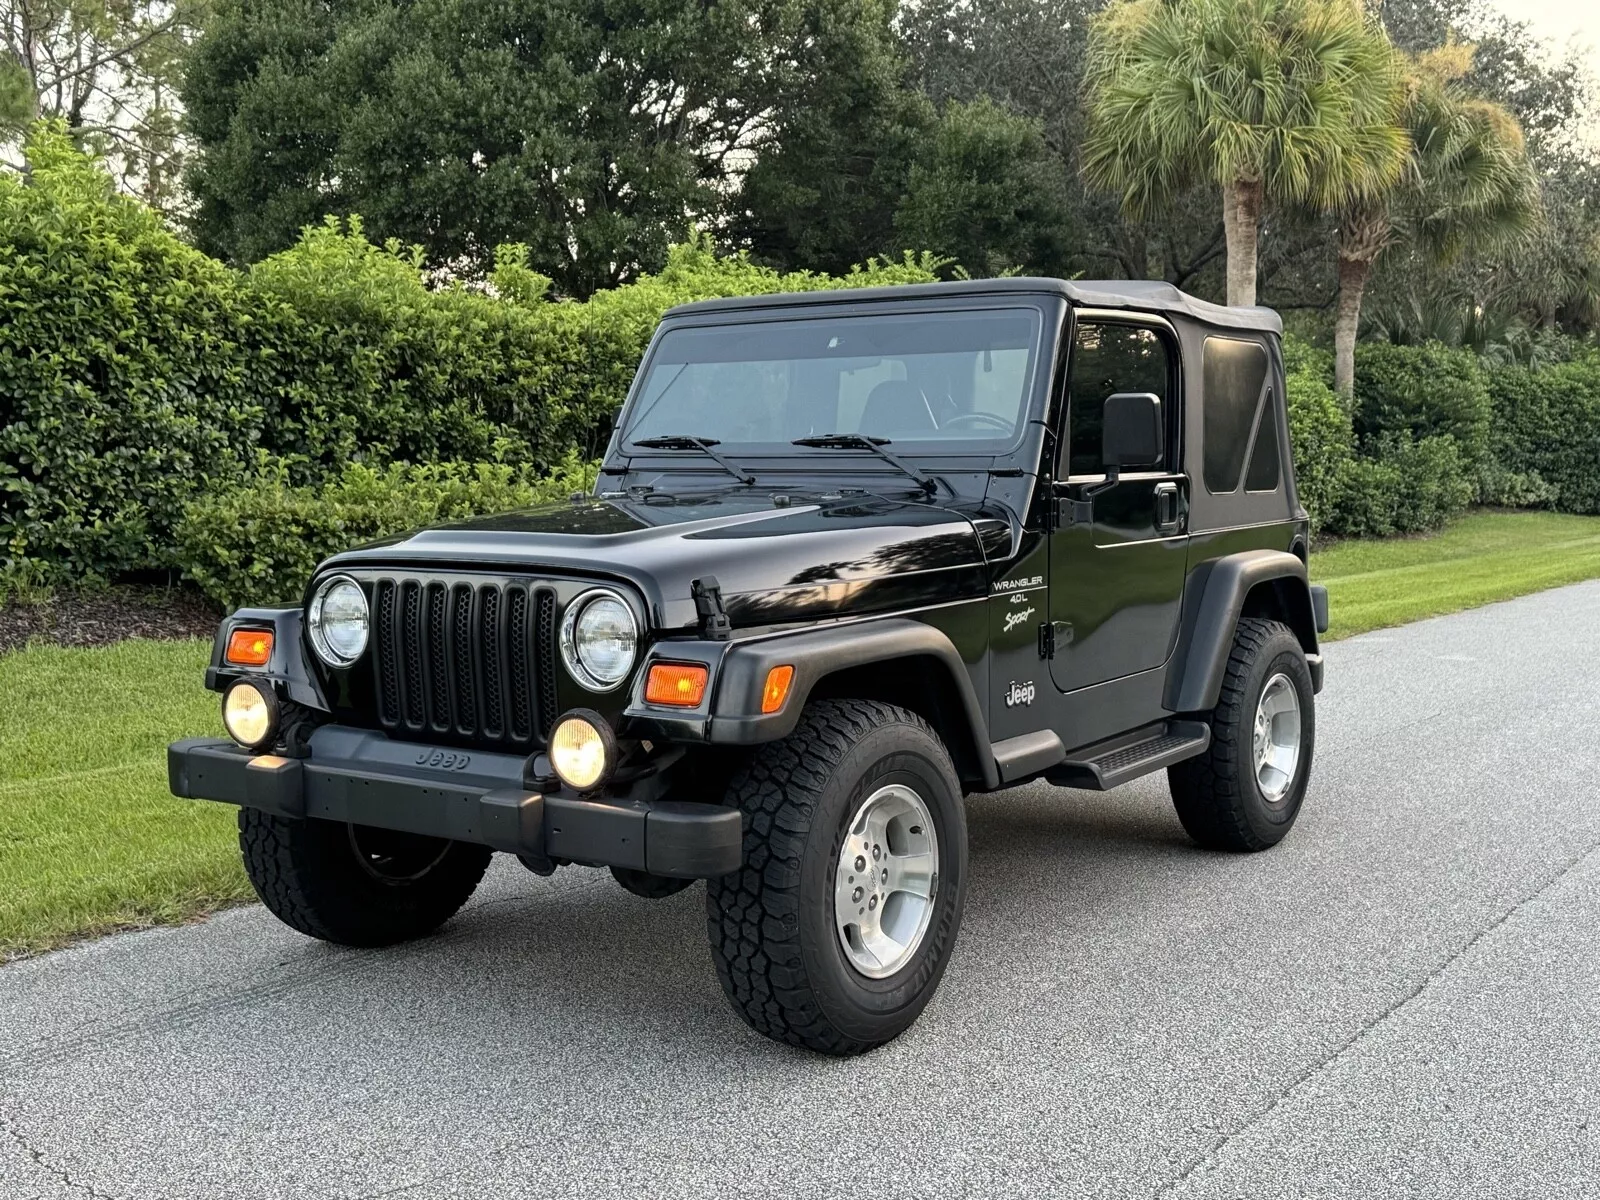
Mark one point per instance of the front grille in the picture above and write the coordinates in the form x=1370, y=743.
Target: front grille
x=468, y=660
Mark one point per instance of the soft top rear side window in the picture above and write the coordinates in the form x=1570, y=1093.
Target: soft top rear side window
x=1235, y=376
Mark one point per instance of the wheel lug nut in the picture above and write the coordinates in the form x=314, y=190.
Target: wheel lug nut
x=877, y=853
x=886, y=874
x=873, y=903
x=856, y=895
x=861, y=863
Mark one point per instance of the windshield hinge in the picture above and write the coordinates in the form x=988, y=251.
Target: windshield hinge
x=714, y=623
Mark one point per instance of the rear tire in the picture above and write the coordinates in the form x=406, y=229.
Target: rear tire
x=1244, y=793
x=811, y=948
x=355, y=885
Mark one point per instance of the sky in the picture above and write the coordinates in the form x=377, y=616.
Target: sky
x=1561, y=20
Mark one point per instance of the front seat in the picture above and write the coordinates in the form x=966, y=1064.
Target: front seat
x=896, y=408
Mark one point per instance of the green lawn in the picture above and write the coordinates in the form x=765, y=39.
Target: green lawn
x=91, y=841
x=1481, y=558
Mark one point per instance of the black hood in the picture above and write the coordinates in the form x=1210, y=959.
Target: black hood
x=814, y=557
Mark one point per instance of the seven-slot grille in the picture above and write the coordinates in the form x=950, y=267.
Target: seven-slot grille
x=476, y=660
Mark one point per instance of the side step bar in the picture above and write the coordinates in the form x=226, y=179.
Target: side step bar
x=1111, y=764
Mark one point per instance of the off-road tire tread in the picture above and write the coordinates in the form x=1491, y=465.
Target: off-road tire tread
x=299, y=891
x=1205, y=789
x=752, y=915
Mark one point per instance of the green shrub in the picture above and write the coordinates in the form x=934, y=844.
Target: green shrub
x=137, y=374
x=127, y=378
x=1421, y=392
x=1301, y=357
x=258, y=543
x=1320, y=434
x=1403, y=487
x=1547, y=429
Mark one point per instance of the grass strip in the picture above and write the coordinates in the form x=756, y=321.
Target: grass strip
x=1480, y=559
x=90, y=838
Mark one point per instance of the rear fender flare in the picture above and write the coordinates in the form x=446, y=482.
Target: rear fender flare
x=1214, y=600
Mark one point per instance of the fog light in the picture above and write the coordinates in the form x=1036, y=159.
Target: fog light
x=250, y=713
x=582, y=750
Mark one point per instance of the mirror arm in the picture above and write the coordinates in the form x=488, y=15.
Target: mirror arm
x=1113, y=477
x=1080, y=511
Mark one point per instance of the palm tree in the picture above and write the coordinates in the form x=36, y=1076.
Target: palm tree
x=1467, y=185
x=1273, y=100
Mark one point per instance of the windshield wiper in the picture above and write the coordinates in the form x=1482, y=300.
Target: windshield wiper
x=684, y=441
x=860, y=441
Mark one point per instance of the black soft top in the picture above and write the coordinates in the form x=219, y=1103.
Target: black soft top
x=1145, y=295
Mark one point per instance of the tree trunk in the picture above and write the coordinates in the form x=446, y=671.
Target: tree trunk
x=1241, y=224
x=1364, y=231
x=1353, y=273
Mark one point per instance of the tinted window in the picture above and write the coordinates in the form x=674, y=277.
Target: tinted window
x=1234, y=374
x=1263, y=473
x=955, y=380
x=1107, y=359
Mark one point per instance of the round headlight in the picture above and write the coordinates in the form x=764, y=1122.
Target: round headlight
x=338, y=621
x=599, y=640
x=250, y=713
x=582, y=750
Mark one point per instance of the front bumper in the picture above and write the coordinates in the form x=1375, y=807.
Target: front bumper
x=365, y=778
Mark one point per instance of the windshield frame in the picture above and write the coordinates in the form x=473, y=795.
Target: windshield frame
x=1046, y=311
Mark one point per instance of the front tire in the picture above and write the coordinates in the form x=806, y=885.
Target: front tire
x=354, y=885
x=835, y=932
x=1244, y=793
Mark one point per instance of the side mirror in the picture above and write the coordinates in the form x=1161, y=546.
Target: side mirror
x=1131, y=434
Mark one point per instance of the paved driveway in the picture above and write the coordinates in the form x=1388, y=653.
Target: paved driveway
x=1401, y=1000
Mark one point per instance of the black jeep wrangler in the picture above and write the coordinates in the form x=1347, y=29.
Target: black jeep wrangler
x=850, y=556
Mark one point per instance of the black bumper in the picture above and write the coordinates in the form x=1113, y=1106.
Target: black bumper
x=366, y=778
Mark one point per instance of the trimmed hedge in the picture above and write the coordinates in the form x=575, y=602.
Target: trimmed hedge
x=259, y=543
x=1403, y=487
x=1546, y=437
x=128, y=377
x=137, y=374
x=1321, y=439
x=1420, y=392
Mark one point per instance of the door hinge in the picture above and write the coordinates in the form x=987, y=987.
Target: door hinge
x=1053, y=634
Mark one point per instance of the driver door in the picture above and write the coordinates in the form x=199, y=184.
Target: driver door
x=1118, y=554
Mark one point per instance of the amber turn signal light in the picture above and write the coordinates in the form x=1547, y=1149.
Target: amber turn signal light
x=680, y=685
x=248, y=648
x=776, y=690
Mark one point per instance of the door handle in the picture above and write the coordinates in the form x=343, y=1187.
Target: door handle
x=1167, y=515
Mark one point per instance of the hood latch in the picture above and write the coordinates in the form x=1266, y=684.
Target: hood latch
x=714, y=623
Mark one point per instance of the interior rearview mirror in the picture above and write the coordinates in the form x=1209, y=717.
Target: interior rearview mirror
x=1131, y=433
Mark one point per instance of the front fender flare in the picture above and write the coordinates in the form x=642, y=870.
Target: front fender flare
x=1214, y=600
x=737, y=719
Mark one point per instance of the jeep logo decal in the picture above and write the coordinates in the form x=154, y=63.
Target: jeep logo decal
x=444, y=760
x=1019, y=693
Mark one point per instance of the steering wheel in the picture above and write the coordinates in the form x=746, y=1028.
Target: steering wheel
x=983, y=419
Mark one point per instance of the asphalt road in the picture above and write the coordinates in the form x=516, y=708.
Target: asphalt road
x=1403, y=999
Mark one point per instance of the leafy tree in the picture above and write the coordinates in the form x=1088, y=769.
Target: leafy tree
x=1272, y=100
x=985, y=191
x=107, y=68
x=593, y=131
x=1027, y=56
x=834, y=159
x=1468, y=186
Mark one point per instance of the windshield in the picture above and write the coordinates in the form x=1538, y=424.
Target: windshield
x=948, y=382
